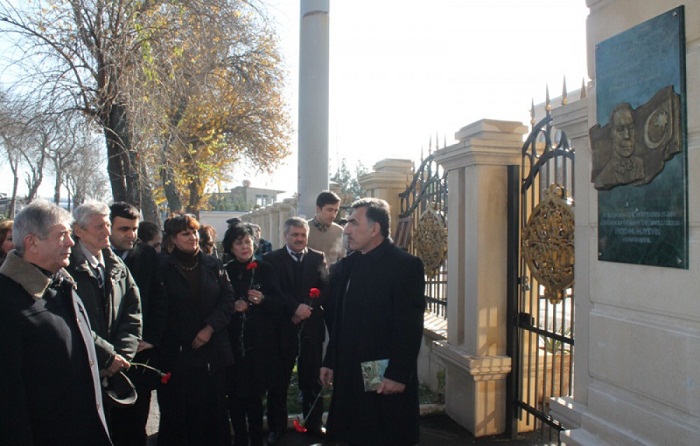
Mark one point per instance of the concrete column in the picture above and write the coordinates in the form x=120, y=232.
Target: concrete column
x=389, y=178
x=474, y=352
x=313, y=104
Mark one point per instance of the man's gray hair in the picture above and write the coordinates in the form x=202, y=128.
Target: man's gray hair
x=297, y=222
x=37, y=218
x=82, y=214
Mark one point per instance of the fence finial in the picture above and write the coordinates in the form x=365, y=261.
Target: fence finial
x=583, y=88
x=532, y=113
x=564, y=94
x=547, y=102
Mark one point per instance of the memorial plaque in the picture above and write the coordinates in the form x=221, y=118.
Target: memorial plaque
x=639, y=144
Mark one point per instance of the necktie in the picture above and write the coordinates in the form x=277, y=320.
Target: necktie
x=100, y=272
x=297, y=256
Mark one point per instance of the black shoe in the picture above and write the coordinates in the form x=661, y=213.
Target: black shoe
x=273, y=437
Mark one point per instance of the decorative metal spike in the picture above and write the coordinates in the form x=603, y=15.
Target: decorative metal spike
x=532, y=113
x=583, y=88
x=564, y=94
x=547, y=102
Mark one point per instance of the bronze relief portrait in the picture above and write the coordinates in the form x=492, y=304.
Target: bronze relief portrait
x=634, y=145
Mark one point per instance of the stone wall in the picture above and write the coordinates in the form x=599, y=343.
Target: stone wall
x=637, y=327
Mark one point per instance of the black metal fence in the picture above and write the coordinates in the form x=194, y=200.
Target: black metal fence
x=427, y=193
x=542, y=340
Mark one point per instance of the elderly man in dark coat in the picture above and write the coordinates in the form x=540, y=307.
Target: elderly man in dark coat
x=378, y=318
x=106, y=287
x=50, y=388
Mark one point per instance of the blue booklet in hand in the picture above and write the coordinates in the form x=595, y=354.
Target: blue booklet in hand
x=373, y=373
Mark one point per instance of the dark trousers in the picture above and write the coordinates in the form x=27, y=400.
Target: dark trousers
x=193, y=409
x=128, y=424
x=308, y=368
x=247, y=420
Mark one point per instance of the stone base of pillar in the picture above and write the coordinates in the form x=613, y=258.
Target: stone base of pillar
x=566, y=410
x=475, y=392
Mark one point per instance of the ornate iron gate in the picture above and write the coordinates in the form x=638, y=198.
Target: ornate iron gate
x=422, y=229
x=541, y=267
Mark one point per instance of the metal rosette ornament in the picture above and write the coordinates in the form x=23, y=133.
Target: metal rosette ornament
x=548, y=244
x=430, y=241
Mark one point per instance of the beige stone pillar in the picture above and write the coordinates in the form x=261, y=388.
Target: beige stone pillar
x=255, y=217
x=474, y=352
x=389, y=178
x=287, y=210
x=274, y=225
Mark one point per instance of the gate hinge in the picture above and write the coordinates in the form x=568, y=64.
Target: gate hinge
x=525, y=320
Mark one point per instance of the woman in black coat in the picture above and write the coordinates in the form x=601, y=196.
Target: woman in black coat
x=251, y=332
x=195, y=347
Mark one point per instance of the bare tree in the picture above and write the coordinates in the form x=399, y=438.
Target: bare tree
x=85, y=52
x=78, y=160
x=182, y=89
x=11, y=134
x=83, y=170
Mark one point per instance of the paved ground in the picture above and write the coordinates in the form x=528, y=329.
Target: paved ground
x=437, y=429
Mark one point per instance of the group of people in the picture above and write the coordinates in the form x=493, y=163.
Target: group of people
x=89, y=301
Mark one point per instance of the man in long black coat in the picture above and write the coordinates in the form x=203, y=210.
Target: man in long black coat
x=301, y=330
x=378, y=316
x=50, y=388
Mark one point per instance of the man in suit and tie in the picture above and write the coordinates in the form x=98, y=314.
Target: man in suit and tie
x=303, y=277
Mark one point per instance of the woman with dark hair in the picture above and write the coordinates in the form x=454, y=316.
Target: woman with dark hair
x=150, y=234
x=195, y=348
x=207, y=240
x=6, y=243
x=251, y=334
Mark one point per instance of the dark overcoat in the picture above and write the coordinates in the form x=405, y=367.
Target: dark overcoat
x=115, y=313
x=314, y=274
x=378, y=315
x=50, y=390
x=143, y=262
x=186, y=318
x=193, y=402
x=256, y=352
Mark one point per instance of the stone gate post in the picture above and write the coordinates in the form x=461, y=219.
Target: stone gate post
x=474, y=352
x=389, y=178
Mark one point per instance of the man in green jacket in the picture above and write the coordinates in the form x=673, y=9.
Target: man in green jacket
x=106, y=287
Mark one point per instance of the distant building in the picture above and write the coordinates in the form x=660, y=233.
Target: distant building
x=244, y=198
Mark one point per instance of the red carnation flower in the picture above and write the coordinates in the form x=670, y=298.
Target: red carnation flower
x=165, y=377
x=251, y=265
x=299, y=427
x=314, y=293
